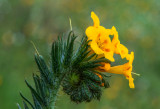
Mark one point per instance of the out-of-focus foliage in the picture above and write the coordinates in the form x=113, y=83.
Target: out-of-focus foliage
x=137, y=22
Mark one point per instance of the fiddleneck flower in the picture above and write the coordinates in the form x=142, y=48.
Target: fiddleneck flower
x=124, y=69
x=100, y=40
x=102, y=44
x=118, y=47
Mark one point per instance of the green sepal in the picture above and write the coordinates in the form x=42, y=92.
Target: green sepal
x=76, y=96
x=97, y=95
x=92, y=63
x=86, y=93
x=90, y=57
x=95, y=87
x=106, y=83
x=91, y=75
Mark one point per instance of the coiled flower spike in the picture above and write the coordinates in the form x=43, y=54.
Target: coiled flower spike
x=84, y=83
x=78, y=70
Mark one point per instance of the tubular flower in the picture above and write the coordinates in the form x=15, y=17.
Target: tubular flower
x=102, y=45
x=100, y=40
x=118, y=48
x=124, y=69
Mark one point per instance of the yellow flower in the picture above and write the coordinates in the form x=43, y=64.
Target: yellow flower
x=124, y=69
x=100, y=40
x=102, y=45
x=118, y=48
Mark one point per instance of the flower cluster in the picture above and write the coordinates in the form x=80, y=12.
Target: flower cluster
x=102, y=44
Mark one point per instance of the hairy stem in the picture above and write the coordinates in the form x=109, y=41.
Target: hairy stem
x=55, y=90
x=54, y=98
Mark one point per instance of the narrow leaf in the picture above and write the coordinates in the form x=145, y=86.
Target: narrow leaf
x=27, y=101
x=25, y=105
x=35, y=93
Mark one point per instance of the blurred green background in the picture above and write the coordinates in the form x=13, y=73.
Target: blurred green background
x=137, y=22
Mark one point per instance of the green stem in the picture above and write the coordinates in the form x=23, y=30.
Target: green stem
x=53, y=102
x=54, y=96
x=55, y=92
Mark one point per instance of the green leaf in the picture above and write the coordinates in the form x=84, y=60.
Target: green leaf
x=19, y=106
x=56, y=55
x=69, y=49
x=41, y=87
x=35, y=94
x=24, y=98
x=36, y=102
x=45, y=73
x=25, y=105
x=37, y=83
x=80, y=53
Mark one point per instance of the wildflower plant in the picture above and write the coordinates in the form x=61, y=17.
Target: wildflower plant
x=82, y=71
